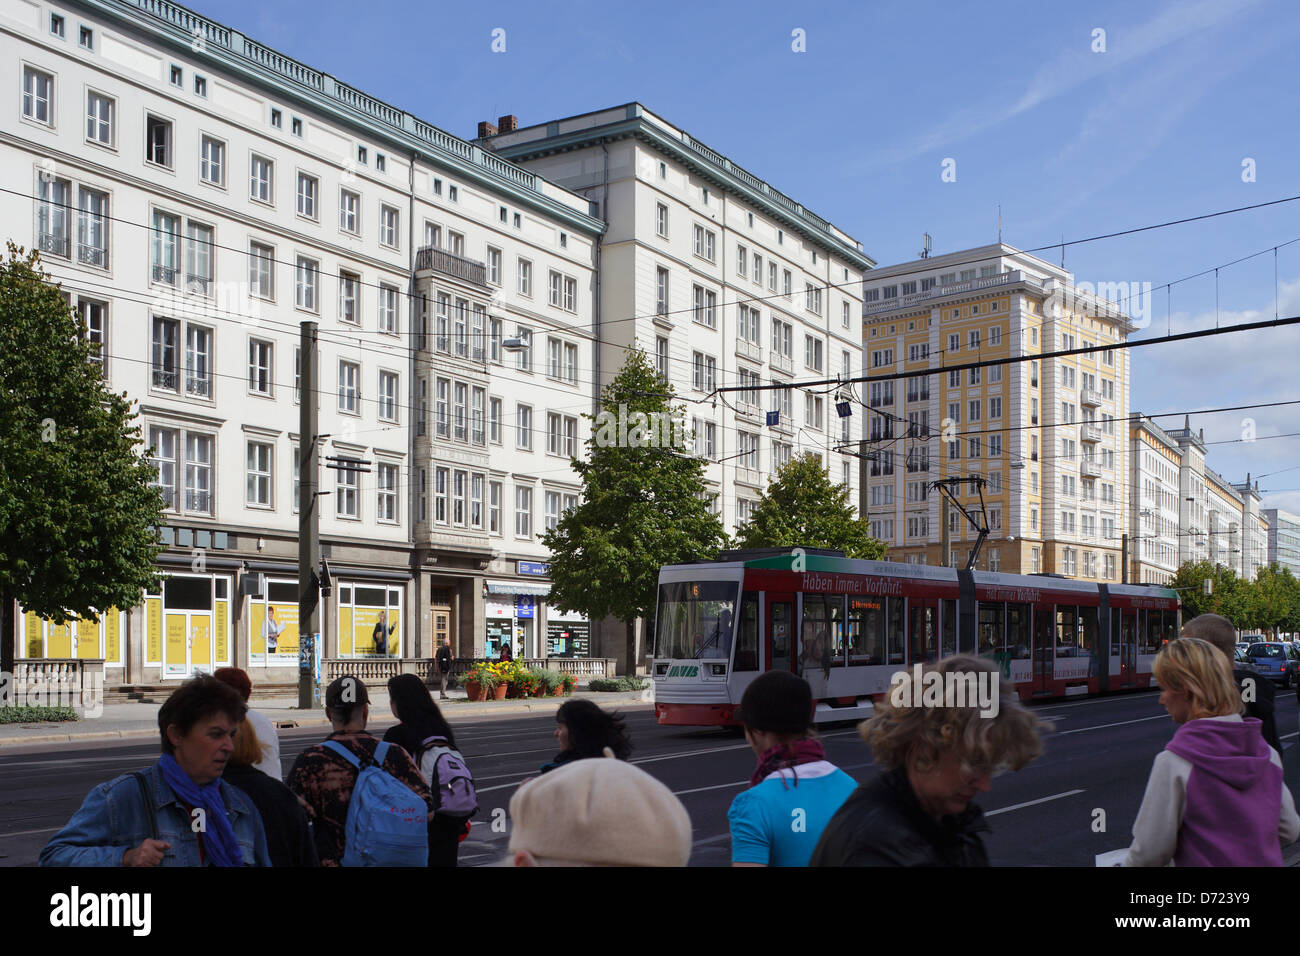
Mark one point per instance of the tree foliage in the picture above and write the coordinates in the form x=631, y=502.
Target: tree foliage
x=1269, y=603
x=803, y=508
x=640, y=506
x=78, y=518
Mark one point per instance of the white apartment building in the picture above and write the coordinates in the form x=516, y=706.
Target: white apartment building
x=1153, y=543
x=1283, y=538
x=722, y=280
x=1040, y=432
x=198, y=195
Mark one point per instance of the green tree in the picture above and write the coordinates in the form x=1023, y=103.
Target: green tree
x=1274, y=595
x=641, y=505
x=78, y=518
x=1228, y=598
x=803, y=508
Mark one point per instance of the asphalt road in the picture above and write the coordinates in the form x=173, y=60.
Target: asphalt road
x=1077, y=800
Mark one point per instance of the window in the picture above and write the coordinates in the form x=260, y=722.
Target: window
x=995, y=335
x=259, y=483
x=261, y=274
x=349, y=375
x=198, y=473
x=704, y=372
x=386, y=501
x=782, y=338
x=812, y=299
x=525, y=278
x=661, y=291
x=771, y=276
x=158, y=141
x=554, y=287
x=812, y=410
x=494, y=266
x=974, y=451
x=494, y=420
x=259, y=367
x=845, y=315
x=86, y=38
x=523, y=512
x=200, y=86
x=748, y=450
x=305, y=281
x=995, y=407
x=785, y=283
x=704, y=243
x=748, y=328
x=347, y=486
x=661, y=356
x=276, y=117
x=38, y=92
x=742, y=261
x=494, y=340
x=56, y=25
x=388, y=389
x=459, y=428
x=52, y=217
x=704, y=306
x=390, y=226
x=476, y=416
x=308, y=186
x=212, y=161
x=95, y=316
x=812, y=352
x=295, y=127
x=92, y=229
x=260, y=179
x=388, y=298
x=99, y=118
x=661, y=220
x=349, y=212
x=524, y=357
x=349, y=286
x=198, y=258
x=524, y=427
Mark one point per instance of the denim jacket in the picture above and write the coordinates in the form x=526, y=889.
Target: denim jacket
x=112, y=820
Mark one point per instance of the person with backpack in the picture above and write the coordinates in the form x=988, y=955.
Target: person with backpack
x=426, y=735
x=369, y=804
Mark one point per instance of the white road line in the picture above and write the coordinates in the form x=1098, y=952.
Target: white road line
x=721, y=786
x=1292, y=734
x=29, y=832
x=1030, y=803
x=1121, y=723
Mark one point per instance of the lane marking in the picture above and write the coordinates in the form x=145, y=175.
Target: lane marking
x=1030, y=803
x=30, y=832
x=1121, y=723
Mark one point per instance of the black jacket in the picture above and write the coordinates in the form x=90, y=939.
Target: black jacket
x=1263, y=704
x=288, y=835
x=882, y=824
x=444, y=659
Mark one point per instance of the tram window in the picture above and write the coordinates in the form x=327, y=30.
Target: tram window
x=867, y=630
x=1088, y=631
x=1170, y=627
x=1018, y=631
x=992, y=639
x=897, y=634
x=949, y=627
x=925, y=643
x=747, y=634
x=1066, y=639
x=1151, y=633
x=821, y=635
x=694, y=620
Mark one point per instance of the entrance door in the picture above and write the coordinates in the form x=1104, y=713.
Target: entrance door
x=88, y=637
x=441, y=627
x=58, y=643
x=1044, y=647
x=780, y=632
x=188, y=644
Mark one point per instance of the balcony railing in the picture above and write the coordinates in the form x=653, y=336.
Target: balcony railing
x=164, y=274
x=954, y=288
x=1090, y=468
x=1089, y=433
x=1089, y=397
x=92, y=255
x=55, y=245
x=440, y=260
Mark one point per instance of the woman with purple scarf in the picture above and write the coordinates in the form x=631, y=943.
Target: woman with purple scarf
x=794, y=790
x=178, y=812
x=1215, y=796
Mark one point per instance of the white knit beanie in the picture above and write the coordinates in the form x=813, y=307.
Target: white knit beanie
x=601, y=812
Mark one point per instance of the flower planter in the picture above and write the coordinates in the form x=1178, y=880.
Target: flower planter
x=559, y=691
x=500, y=692
x=475, y=690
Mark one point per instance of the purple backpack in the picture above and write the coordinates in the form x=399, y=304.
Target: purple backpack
x=449, y=779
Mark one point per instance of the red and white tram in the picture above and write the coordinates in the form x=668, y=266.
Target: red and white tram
x=847, y=626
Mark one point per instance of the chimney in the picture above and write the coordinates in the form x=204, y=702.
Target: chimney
x=508, y=124
x=486, y=129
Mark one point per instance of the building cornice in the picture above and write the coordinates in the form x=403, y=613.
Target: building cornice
x=192, y=35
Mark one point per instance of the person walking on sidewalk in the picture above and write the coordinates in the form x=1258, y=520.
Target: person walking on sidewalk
x=269, y=762
x=443, y=661
x=425, y=734
x=1215, y=796
x=325, y=780
x=794, y=790
x=178, y=812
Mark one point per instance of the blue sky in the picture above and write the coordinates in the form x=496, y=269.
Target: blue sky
x=1069, y=141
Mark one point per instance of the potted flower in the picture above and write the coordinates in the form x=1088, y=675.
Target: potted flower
x=479, y=679
x=501, y=671
x=570, y=684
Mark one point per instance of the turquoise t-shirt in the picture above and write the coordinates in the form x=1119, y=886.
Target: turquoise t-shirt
x=779, y=822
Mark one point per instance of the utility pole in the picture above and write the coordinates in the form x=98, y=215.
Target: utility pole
x=1123, y=557
x=862, y=479
x=944, y=542
x=308, y=519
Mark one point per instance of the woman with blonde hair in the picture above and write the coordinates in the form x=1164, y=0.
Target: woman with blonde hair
x=1215, y=796
x=939, y=736
x=288, y=832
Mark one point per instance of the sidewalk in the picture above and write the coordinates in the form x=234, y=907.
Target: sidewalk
x=140, y=720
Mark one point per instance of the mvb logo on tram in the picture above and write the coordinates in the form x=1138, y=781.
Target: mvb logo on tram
x=932, y=689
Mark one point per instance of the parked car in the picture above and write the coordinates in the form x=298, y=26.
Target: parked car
x=1252, y=639
x=1276, y=660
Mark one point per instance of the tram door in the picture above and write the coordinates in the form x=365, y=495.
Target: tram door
x=1127, y=647
x=924, y=630
x=1044, y=648
x=780, y=632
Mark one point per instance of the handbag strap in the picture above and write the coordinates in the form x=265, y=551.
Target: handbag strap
x=150, y=811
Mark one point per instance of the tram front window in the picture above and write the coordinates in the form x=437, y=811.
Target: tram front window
x=696, y=620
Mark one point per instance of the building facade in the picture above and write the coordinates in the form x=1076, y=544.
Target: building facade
x=1153, y=541
x=1283, y=538
x=198, y=195
x=1040, y=434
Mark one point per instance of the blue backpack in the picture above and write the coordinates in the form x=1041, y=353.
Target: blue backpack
x=387, y=822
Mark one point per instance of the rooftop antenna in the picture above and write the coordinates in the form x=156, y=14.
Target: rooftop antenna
x=999, y=223
x=926, y=244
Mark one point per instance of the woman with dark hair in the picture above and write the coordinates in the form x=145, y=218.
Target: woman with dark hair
x=289, y=839
x=583, y=730
x=425, y=734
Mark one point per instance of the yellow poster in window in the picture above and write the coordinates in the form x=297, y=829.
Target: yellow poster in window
x=256, y=636
x=153, y=616
x=59, y=644
x=177, y=661
x=201, y=642
x=35, y=635
x=223, y=645
x=364, y=620
x=345, y=630
x=274, y=630
x=113, y=636
x=87, y=638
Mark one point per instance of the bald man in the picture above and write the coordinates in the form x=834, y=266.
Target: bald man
x=1220, y=632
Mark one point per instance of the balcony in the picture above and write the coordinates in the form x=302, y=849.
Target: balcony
x=749, y=350
x=955, y=288
x=449, y=264
x=1091, y=433
x=55, y=245
x=164, y=274
x=92, y=255
x=1090, y=468
x=1089, y=398
x=198, y=285
x=782, y=363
